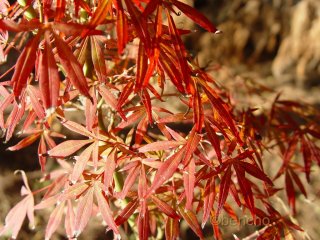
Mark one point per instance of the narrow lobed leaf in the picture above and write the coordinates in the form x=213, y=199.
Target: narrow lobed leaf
x=68, y=147
x=71, y=66
x=25, y=65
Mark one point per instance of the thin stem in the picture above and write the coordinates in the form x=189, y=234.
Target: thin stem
x=40, y=11
x=256, y=234
x=9, y=70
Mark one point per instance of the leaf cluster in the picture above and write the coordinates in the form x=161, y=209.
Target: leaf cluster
x=113, y=61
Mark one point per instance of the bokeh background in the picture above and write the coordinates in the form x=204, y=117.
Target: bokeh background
x=271, y=43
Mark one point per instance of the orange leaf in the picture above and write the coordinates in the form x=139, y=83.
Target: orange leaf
x=224, y=188
x=290, y=191
x=84, y=211
x=166, y=170
x=172, y=229
x=156, y=40
x=127, y=90
x=60, y=10
x=142, y=66
x=98, y=59
x=189, y=182
x=139, y=23
x=209, y=198
x=122, y=27
x=180, y=52
x=142, y=186
x=221, y=109
x=255, y=171
x=134, y=172
x=170, y=67
x=111, y=100
x=49, y=80
x=34, y=95
x=77, y=128
x=298, y=182
x=214, y=140
x=69, y=220
x=25, y=142
x=47, y=202
x=54, y=220
x=245, y=188
x=72, y=66
x=81, y=163
x=71, y=28
x=109, y=169
x=192, y=221
x=197, y=17
x=73, y=191
x=132, y=119
x=67, y=148
x=25, y=65
x=21, y=27
x=16, y=216
x=42, y=149
x=91, y=111
x=160, y=145
x=127, y=212
x=152, y=5
x=307, y=156
x=198, y=115
x=104, y=7
x=191, y=146
x=143, y=225
x=165, y=208
x=146, y=100
x=105, y=210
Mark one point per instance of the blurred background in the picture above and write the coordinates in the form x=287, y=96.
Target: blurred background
x=275, y=42
x=270, y=43
x=266, y=47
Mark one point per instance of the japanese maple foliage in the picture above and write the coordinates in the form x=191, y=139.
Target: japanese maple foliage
x=112, y=61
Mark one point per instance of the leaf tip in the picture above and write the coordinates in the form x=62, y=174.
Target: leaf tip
x=50, y=111
x=76, y=233
x=203, y=225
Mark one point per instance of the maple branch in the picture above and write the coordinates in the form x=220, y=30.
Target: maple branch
x=256, y=234
x=40, y=11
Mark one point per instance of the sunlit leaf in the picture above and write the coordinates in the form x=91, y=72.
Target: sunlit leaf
x=25, y=142
x=191, y=220
x=172, y=228
x=127, y=212
x=160, y=145
x=25, y=65
x=105, y=210
x=98, y=59
x=224, y=188
x=68, y=147
x=71, y=66
x=166, y=170
x=84, y=211
x=195, y=16
x=122, y=27
x=54, y=220
x=49, y=80
x=189, y=182
x=81, y=164
x=165, y=208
